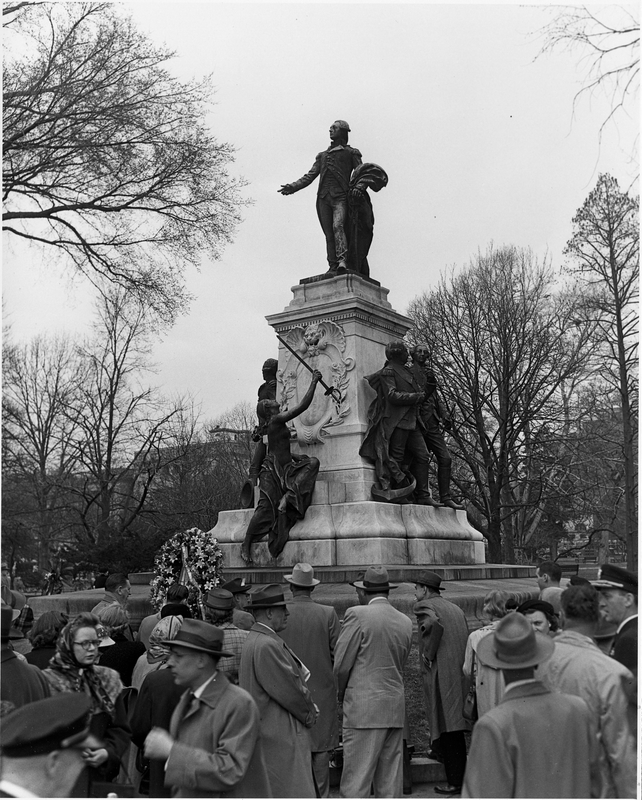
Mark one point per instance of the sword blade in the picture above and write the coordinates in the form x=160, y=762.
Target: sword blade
x=329, y=389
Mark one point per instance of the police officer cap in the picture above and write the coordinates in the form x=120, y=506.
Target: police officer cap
x=612, y=577
x=56, y=723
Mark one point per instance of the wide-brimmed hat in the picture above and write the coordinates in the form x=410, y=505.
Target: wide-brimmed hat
x=198, y=635
x=220, y=599
x=375, y=580
x=612, y=577
x=430, y=579
x=302, y=575
x=514, y=644
x=237, y=586
x=270, y=597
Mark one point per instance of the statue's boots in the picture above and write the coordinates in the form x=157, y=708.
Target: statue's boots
x=443, y=481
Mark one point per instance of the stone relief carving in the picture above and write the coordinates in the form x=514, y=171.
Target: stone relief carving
x=322, y=345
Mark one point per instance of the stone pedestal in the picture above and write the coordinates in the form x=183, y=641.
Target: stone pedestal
x=341, y=326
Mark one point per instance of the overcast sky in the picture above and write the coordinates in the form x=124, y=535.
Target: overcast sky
x=477, y=137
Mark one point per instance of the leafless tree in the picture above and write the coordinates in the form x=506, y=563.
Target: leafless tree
x=604, y=254
x=607, y=40
x=127, y=431
x=106, y=156
x=504, y=349
x=41, y=382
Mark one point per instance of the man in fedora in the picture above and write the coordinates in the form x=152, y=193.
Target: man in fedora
x=442, y=633
x=276, y=678
x=369, y=658
x=311, y=633
x=618, y=590
x=239, y=589
x=219, y=610
x=213, y=747
x=43, y=744
x=535, y=743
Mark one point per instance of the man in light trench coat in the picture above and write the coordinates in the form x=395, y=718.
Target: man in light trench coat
x=312, y=632
x=276, y=679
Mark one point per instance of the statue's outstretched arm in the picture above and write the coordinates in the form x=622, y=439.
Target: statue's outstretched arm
x=286, y=416
x=306, y=180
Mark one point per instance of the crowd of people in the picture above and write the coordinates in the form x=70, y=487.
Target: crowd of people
x=254, y=699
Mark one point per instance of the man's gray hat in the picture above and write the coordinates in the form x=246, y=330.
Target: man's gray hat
x=302, y=575
x=514, y=645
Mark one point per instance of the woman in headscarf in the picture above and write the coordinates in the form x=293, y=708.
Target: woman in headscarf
x=489, y=682
x=157, y=653
x=157, y=699
x=73, y=669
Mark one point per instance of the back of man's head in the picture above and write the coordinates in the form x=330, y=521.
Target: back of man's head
x=115, y=581
x=580, y=604
x=177, y=592
x=550, y=568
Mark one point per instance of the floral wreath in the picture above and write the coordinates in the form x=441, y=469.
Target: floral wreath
x=202, y=558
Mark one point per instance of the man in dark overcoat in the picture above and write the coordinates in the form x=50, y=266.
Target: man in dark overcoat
x=443, y=679
x=311, y=633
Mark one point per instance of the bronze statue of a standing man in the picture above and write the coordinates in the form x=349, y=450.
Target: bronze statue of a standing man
x=334, y=167
x=432, y=414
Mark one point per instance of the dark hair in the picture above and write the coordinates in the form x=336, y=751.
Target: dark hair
x=551, y=569
x=581, y=602
x=540, y=605
x=46, y=628
x=115, y=581
x=176, y=610
x=177, y=592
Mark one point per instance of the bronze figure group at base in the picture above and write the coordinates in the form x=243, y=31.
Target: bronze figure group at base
x=404, y=423
x=403, y=426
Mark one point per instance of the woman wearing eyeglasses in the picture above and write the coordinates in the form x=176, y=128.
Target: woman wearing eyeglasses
x=73, y=669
